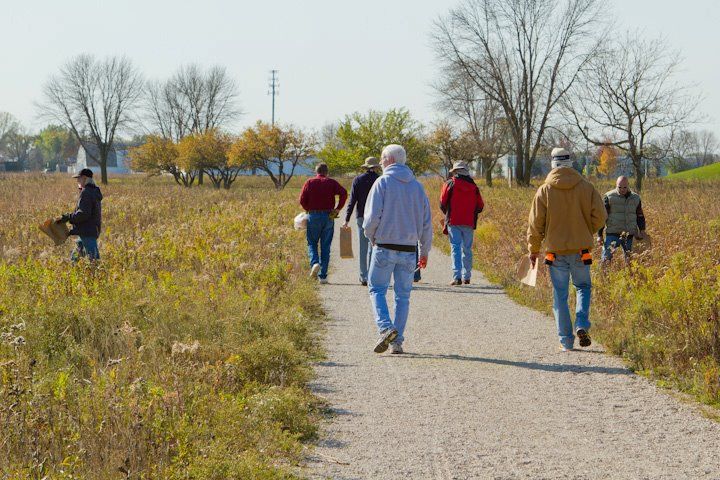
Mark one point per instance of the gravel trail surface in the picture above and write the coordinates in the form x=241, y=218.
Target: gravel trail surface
x=484, y=393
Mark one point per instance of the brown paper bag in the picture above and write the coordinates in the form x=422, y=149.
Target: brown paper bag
x=527, y=274
x=58, y=232
x=346, y=242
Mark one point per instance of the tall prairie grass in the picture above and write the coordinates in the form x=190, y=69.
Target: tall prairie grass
x=662, y=311
x=182, y=354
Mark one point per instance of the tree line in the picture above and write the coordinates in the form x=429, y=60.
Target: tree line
x=515, y=77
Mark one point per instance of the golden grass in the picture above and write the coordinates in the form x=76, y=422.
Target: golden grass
x=183, y=354
x=661, y=312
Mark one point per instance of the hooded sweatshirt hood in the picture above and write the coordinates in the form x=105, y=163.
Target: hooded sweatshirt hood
x=563, y=178
x=400, y=172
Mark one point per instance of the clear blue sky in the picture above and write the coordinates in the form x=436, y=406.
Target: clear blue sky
x=334, y=56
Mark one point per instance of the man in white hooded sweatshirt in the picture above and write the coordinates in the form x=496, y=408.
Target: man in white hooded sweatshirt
x=397, y=220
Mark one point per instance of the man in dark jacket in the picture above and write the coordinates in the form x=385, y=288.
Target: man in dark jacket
x=318, y=199
x=358, y=196
x=86, y=220
x=461, y=202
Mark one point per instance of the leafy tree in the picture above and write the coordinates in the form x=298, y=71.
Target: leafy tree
x=56, y=143
x=276, y=150
x=447, y=146
x=363, y=135
x=158, y=155
x=209, y=152
x=607, y=160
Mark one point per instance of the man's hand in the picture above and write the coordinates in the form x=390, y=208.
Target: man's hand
x=64, y=218
x=334, y=213
x=422, y=262
x=346, y=224
x=640, y=235
x=600, y=241
x=533, y=258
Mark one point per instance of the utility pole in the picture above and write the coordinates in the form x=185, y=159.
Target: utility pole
x=274, y=90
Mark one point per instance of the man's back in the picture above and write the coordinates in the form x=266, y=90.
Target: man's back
x=565, y=213
x=319, y=193
x=398, y=211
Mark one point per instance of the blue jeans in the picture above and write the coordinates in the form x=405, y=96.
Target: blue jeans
x=613, y=241
x=461, y=241
x=365, y=252
x=563, y=268
x=85, y=247
x=320, y=228
x=399, y=265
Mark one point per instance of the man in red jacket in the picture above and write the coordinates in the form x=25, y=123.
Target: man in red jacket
x=461, y=202
x=318, y=199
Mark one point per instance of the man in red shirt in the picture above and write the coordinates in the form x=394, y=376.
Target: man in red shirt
x=318, y=199
x=461, y=202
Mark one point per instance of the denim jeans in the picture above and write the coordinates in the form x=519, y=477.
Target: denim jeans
x=320, y=229
x=365, y=252
x=85, y=247
x=563, y=268
x=399, y=265
x=461, y=241
x=613, y=241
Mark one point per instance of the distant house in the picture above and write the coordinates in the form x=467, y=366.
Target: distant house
x=8, y=164
x=88, y=153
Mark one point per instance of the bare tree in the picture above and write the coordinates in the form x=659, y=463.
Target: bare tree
x=708, y=146
x=523, y=55
x=95, y=99
x=192, y=102
x=628, y=94
x=460, y=98
x=8, y=124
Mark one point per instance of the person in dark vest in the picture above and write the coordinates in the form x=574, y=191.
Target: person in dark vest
x=86, y=220
x=358, y=196
x=626, y=220
x=318, y=199
x=461, y=202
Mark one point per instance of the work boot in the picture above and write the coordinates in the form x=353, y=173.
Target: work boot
x=466, y=281
x=584, y=337
x=363, y=283
x=456, y=282
x=386, y=338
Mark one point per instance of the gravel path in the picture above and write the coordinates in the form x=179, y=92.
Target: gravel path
x=484, y=393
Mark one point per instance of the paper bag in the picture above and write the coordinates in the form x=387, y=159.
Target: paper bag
x=346, y=242
x=58, y=232
x=527, y=274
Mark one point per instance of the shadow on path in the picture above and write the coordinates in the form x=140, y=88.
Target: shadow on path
x=547, y=367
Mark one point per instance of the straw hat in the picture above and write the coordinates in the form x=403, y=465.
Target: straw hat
x=371, y=162
x=460, y=167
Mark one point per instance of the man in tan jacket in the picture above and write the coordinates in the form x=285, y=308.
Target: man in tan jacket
x=566, y=211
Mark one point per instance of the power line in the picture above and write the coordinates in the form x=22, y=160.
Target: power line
x=274, y=91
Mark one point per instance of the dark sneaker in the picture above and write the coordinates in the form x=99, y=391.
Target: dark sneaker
x=583, y=337
x=386, y=338
x=466, y=281
x=364, y=284
x=457, y=281
x=396, y=348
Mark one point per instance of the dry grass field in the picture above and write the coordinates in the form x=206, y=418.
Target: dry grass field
x=662, y=311
x=183, y=354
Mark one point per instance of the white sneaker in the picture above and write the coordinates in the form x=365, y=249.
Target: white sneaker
x=323, y=281
x=314, y=270
x=396, y=348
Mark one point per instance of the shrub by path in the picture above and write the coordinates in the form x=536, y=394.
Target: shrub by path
x=483, y=392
